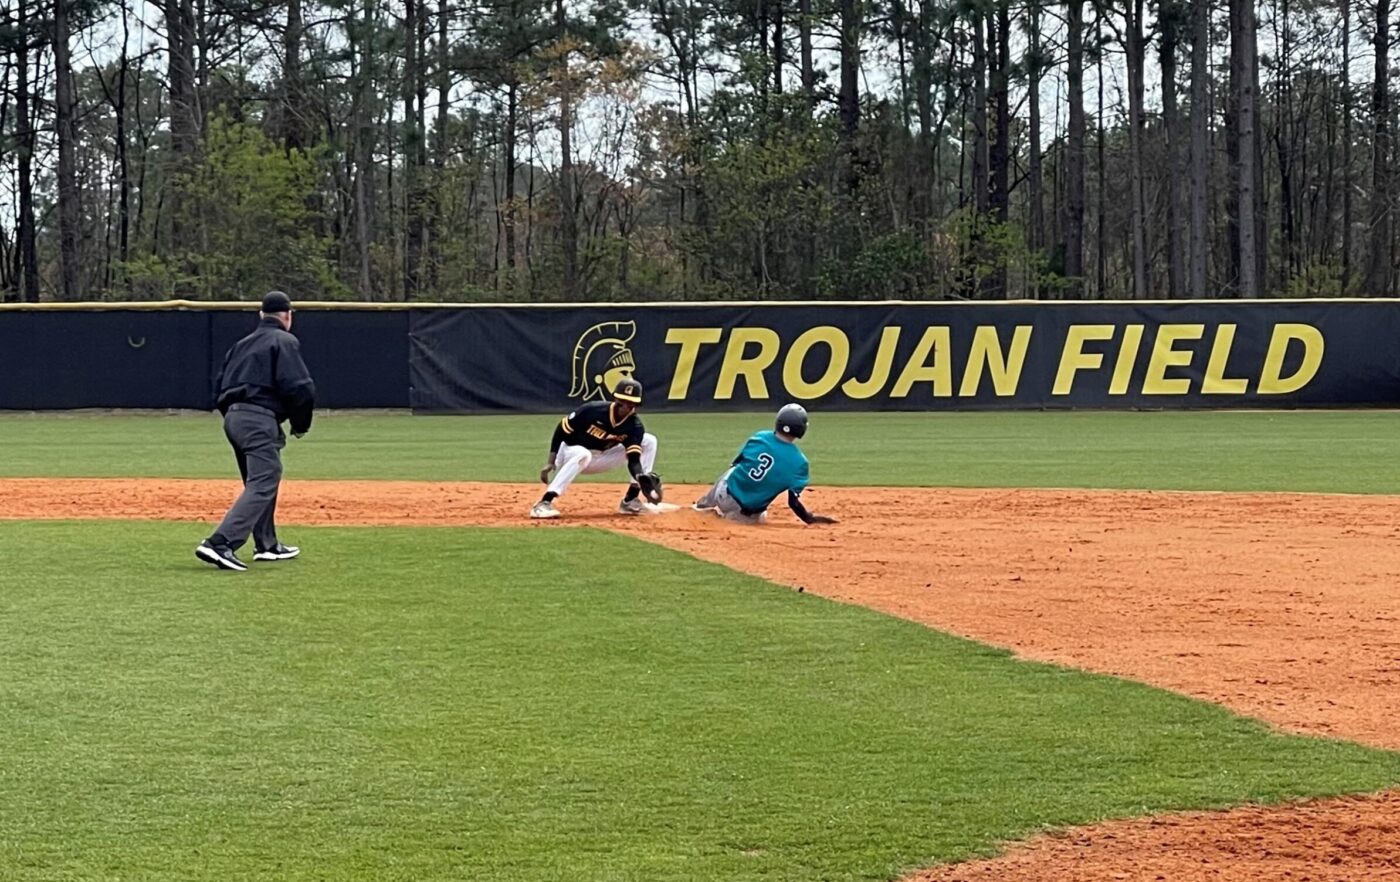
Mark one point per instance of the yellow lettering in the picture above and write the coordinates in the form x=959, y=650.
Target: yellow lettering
x=986, y=352
x=737, y=364
x=690, y=340
x=1270, y=381
x=1164, y=356
x=1215, y=382
x=1127, y=358
x=879, y=371
x=835, y=340
x=1074, y=359
x=917, y=370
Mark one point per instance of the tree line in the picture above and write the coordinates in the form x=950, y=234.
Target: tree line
x=542, y=150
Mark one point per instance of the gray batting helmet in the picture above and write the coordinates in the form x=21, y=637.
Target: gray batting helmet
x=792, y=420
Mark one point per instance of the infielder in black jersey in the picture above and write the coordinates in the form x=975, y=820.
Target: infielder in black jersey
x=598, y=437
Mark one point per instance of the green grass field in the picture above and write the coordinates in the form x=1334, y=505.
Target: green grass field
x=448, y=704
x=1354, y=451
x=539, y=705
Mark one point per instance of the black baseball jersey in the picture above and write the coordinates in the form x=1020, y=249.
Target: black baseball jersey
x=594, y=426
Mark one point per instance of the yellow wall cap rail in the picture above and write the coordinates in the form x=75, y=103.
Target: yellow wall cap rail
x=352, y=306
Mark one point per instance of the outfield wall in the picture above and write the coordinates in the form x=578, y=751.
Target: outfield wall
x=62, y=358
x=693, y=357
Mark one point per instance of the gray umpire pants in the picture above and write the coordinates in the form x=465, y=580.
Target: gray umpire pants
x=257, y=440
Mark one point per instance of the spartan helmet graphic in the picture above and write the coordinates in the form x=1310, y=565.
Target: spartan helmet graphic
x=602, y=360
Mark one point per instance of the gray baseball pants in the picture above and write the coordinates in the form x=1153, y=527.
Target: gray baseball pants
x=717, y=498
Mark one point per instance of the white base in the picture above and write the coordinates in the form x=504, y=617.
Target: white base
x=655, y=508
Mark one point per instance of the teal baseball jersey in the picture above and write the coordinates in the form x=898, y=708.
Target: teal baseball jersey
x=764, y=468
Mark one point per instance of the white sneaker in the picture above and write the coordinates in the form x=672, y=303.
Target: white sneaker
x=543, y=510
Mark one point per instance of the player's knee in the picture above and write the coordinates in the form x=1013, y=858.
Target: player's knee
x=583, y=457
x=648, y=441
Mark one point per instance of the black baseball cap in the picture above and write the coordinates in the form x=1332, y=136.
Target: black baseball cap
x=628, y=390
x=276, y=301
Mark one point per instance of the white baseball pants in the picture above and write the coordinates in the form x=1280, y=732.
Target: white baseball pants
x=571, y=461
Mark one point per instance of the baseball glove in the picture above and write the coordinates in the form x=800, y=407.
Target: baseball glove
x=650, y=483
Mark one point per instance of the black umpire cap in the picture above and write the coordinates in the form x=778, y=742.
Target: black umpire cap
x=276, y=301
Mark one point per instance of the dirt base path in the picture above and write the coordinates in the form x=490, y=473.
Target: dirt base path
x=1282, y=607
x=1339, y=840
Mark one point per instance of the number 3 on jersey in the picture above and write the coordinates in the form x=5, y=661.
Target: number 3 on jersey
x=765, y=462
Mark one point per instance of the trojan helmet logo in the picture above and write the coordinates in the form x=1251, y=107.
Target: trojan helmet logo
x=602, y=360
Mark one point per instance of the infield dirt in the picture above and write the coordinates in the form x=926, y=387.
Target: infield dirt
x=1283, y=607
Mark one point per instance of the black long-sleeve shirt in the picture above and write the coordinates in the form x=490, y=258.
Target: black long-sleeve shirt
x=265, y=368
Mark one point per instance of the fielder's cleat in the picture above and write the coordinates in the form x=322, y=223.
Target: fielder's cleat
x=544, y=510
x=632, y=506
x=220, y=556
x=278, y=552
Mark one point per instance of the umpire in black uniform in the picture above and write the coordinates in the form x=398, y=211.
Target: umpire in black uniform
x=263, y=382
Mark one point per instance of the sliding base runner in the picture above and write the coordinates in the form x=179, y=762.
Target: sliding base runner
x=769, y=463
